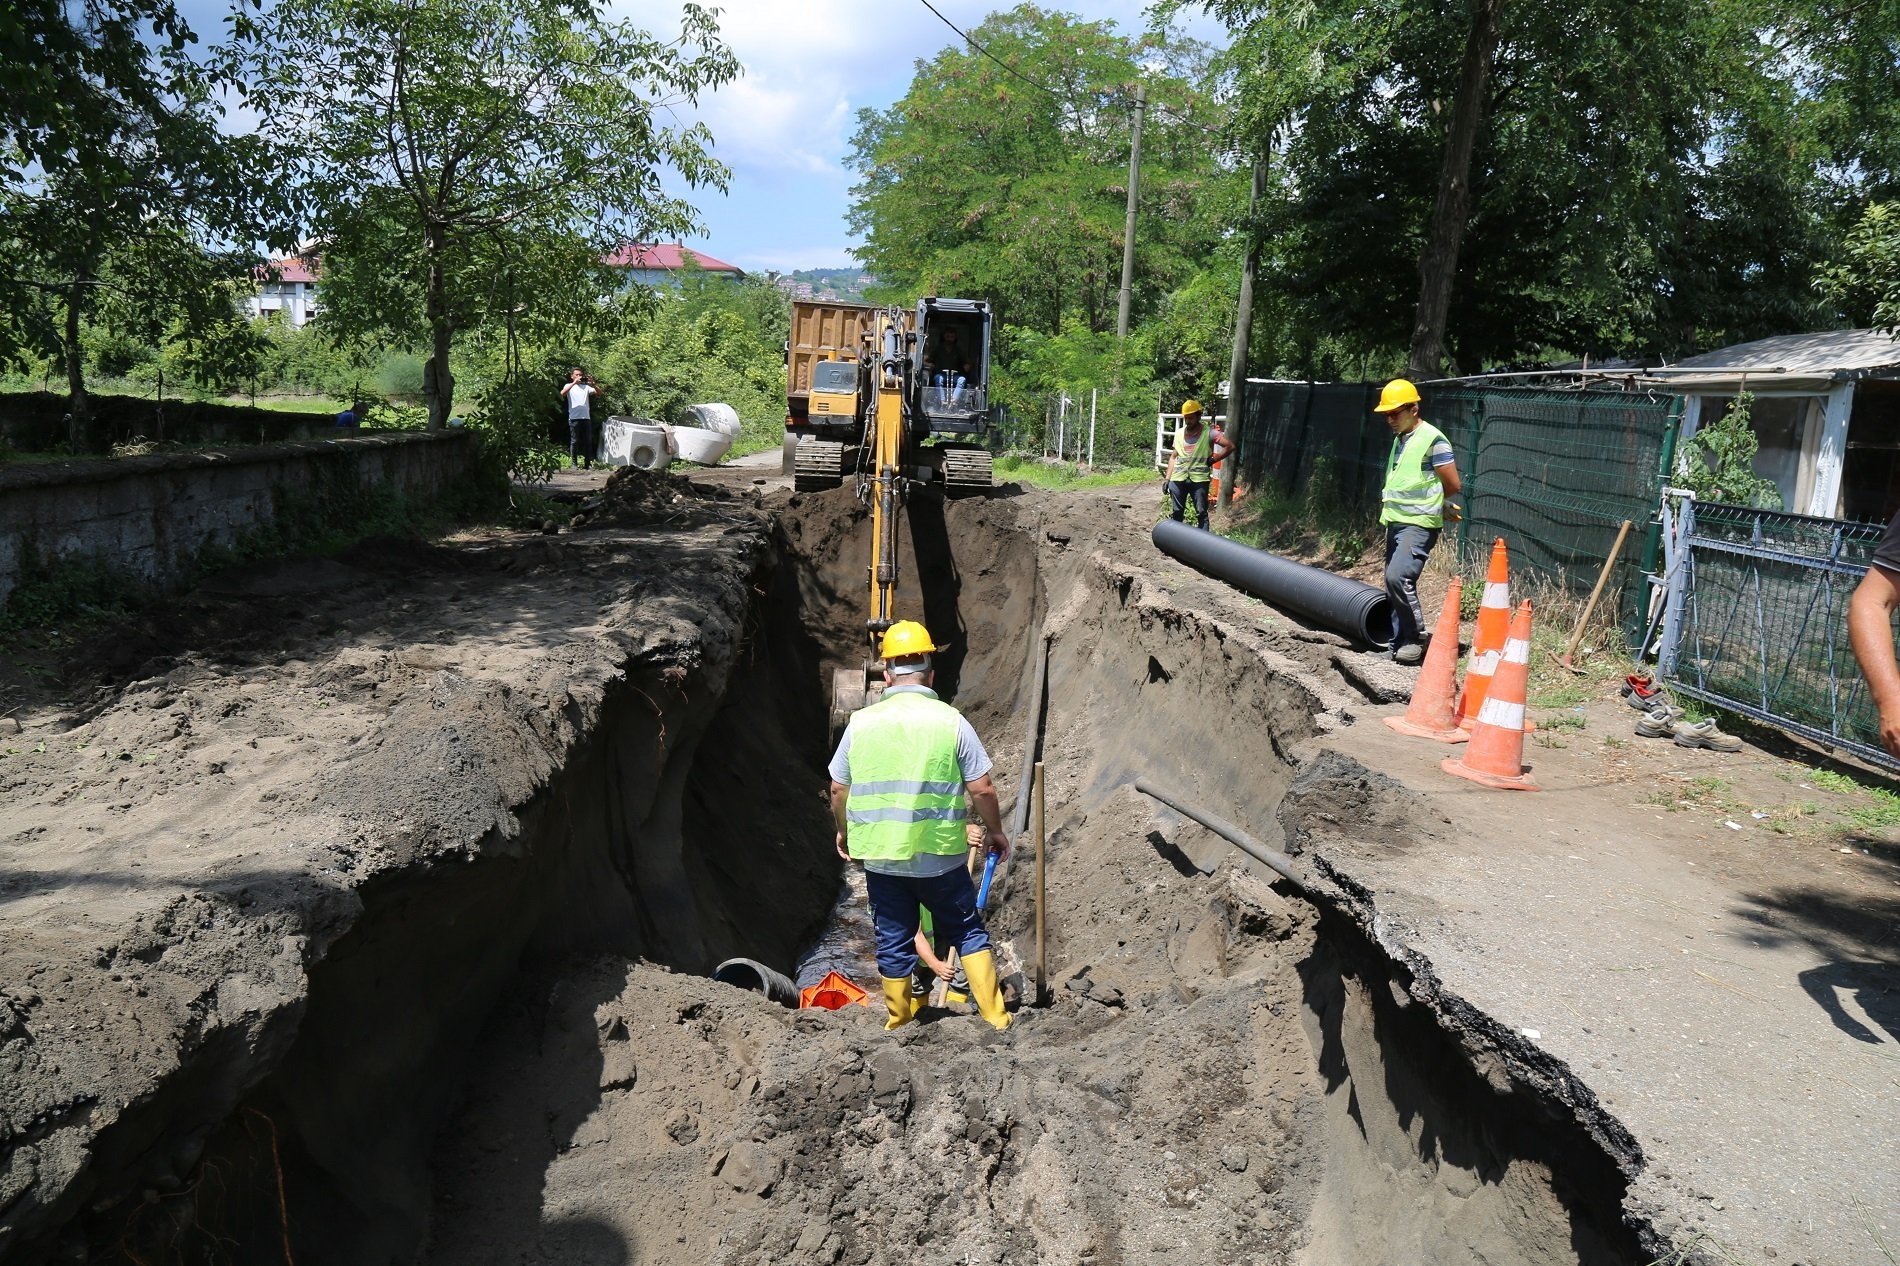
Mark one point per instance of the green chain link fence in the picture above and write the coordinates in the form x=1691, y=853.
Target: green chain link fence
x=1555, y=473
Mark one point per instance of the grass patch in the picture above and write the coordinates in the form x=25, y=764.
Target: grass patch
x=1063, y=476
x=1878, y=808
x=1319, y=526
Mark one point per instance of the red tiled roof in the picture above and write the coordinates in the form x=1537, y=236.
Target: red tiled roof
x=288, y=268
x=667, y=256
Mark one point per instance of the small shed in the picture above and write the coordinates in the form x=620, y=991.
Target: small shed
x=1826, y=410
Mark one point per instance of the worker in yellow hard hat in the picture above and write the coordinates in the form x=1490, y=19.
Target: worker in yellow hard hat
x=1420, y=472
x=1191, y=465
x=898, y=781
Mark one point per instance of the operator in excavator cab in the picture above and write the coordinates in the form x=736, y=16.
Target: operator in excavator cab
x=898, y=781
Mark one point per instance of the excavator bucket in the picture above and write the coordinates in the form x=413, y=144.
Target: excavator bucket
x=851, y=689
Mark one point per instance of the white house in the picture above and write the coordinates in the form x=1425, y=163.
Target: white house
x=662, y=263
x=287, y=290
x=1826, y=412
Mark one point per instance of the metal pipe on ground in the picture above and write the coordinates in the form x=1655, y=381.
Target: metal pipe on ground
x=744, y=973
x=1334, y=602
x=1273, y=859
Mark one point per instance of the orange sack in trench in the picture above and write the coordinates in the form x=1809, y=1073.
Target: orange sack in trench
x=833, y=992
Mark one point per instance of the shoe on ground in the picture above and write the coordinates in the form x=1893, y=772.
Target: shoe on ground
x=1705, y=734
x=1660, y=721
x=1641, y=693
x=1408, y=654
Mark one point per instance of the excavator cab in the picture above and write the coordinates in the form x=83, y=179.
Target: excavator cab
x=953, y=367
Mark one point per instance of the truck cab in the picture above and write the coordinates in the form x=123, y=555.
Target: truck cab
x=833, y=395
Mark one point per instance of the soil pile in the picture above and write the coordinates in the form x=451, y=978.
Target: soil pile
x=633, y=497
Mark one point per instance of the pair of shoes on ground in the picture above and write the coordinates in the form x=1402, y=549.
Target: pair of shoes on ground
x=1642, y=693
x=1666, y=721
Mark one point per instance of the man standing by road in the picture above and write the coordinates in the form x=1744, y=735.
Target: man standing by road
x=897, y=795
x=1191, y=465
x=1870, y=628
x=1420, y=473
x=579, y=391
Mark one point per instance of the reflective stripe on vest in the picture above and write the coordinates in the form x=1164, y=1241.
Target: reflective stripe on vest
x=1192, y=462
x=906, y=786
x=1412, y=492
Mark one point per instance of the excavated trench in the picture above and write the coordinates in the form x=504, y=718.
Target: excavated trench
x=524, y=1061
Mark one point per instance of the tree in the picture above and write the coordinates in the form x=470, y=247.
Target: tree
x=471, y=160
x=1866, y=280
x=1004, y=176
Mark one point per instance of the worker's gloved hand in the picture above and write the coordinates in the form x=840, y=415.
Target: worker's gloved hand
x=997, y=842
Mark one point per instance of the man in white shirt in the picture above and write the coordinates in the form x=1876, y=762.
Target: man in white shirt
x=579, y=391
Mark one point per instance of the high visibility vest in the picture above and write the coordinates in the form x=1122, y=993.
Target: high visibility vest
x=1412, y=492
x=906, y=792
x=1191, y=461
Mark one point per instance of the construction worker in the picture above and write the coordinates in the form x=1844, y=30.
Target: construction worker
x=1420, y=473
x=1191, y=464
x=898, y=781
x=1870, y=630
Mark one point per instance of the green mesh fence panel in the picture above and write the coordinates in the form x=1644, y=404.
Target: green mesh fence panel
x=1554, y=473
x=1764, y=623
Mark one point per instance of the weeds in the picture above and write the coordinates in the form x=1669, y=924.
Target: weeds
x=1319, y=521
x=1880, y=807
x=1043, y=474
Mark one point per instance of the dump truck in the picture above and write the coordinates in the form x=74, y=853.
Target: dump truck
x=836, y=365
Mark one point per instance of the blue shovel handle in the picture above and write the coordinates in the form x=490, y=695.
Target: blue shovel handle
x=989, y=873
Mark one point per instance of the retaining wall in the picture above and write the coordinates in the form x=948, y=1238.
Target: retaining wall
x=35, y=421
x=152, y=517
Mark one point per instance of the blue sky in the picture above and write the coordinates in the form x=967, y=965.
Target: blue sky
x=785, y=126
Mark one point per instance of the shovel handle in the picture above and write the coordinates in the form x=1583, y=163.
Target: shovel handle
x=989, y=873
x=1589, y=608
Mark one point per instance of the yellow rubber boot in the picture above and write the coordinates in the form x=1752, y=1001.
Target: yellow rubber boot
x=980, y=967
x=897, y=997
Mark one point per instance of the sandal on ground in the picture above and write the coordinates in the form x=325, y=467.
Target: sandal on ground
x=1705, y=734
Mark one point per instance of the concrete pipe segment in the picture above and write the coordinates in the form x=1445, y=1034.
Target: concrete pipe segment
x=1345, y=606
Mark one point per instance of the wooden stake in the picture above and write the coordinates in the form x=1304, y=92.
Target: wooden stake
x=1589, y=608
x=1042, y=849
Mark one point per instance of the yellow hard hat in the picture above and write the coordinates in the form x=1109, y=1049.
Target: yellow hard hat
x=1397, y=394
x=1190, y=406
x=906, y=638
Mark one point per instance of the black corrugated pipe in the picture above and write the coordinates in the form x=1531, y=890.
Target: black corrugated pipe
x=1334, y=602
x=746, y=974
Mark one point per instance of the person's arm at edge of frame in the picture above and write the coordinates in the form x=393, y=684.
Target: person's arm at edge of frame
x=1870, y=629
x=840, y=793
x=1222, y=447
x=983, y=793
x=1453, y=485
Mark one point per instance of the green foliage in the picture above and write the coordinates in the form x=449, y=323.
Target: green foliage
x=471, y=160
x=84, y=587
x=1866, y=279
x=1719, y=461
x=1066, y=477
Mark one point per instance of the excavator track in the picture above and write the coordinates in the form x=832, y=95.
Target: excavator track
x=818, y=465
x=967, y=471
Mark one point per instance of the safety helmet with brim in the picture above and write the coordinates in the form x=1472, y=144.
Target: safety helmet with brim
x=1397, y=394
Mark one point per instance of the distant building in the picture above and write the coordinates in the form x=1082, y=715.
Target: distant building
x=286, y=291
x=661, y=263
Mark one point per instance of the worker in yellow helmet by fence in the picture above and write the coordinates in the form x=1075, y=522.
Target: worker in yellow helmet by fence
x=1197, y=448
x=898, y=781
x=1420, y=473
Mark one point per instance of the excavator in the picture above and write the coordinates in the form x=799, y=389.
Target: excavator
x=917, y=376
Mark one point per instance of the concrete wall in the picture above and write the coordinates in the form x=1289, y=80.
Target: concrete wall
x=35, y=421
x=152, y=516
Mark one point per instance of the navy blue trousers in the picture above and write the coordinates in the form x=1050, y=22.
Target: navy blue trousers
x=895, y=900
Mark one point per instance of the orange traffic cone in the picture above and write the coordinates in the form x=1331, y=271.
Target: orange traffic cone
x=1487, y=640
x=1495, y=757
x=1431, y=714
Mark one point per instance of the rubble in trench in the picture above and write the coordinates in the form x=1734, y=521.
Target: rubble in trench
x=1225, y=1073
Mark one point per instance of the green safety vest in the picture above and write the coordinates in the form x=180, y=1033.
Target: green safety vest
x=1412, y=491
x=1191, y=461
x=906, y=785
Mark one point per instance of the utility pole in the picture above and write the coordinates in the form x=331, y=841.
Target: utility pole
x=1128, y=230
x=1243, y=333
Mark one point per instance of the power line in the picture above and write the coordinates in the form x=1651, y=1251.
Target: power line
x=1059, y=96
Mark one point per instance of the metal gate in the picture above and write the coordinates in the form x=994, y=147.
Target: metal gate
x=1758, y=621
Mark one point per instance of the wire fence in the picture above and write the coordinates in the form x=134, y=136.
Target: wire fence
x=1760, y=625
x=1555, y=473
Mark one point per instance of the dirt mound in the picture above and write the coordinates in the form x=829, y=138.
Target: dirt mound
x=639, y=498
